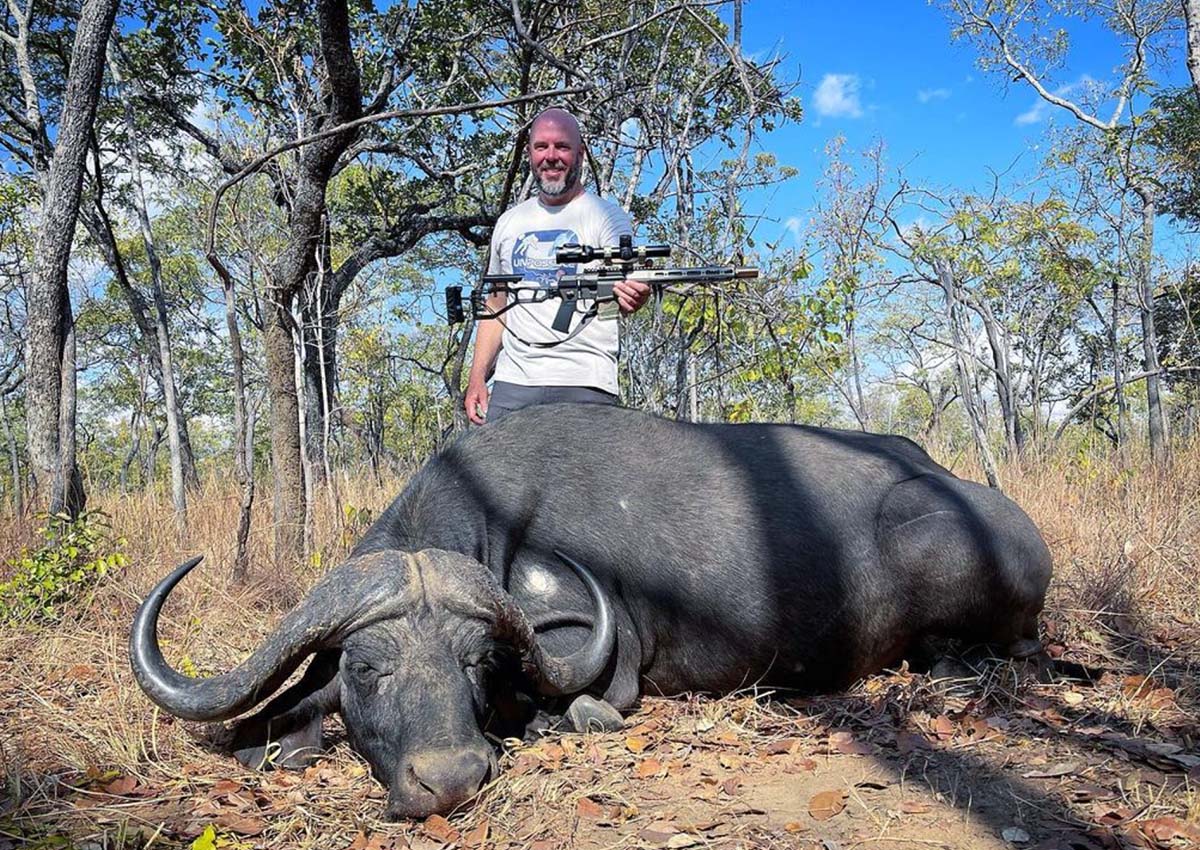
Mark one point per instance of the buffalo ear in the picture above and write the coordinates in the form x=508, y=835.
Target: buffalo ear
x=287, y=731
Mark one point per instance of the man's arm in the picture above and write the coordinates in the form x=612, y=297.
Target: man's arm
x=489, y=337
x=630, y=294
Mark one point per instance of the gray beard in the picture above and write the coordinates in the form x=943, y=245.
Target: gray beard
x=555, y=190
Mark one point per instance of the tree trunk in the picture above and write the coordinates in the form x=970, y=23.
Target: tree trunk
x=342, y=92
x=1014, y=436
x=14, y=459
x=243, y=435
x=286, y=463
x=966, y=373
x=49, y=358
x=95, y=218
x=150, y=462
x=1191, y=14
x=135, y=443
x=859, y=406
x=1159, y=449
x=162, y=332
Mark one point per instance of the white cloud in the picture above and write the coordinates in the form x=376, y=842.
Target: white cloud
x=796, y=227
x=1042, y=109
x=926, y=95
x=837, y=96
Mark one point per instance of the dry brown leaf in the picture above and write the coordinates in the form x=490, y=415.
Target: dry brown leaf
x=1167, y=829
x=477, y=836
x=648, y=768
x=804, y=764
x=120, y=787
x=943, y=727
x=779, y=748
x=589, y=809
x=794, y=827
x=241, y=824
x=731, y=786
x=226, y=786
x=635, y=744
x=1107, y=815
x=915, y=807
x=826, y=804
x=436, y=826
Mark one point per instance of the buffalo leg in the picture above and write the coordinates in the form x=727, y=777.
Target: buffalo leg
x=287, y=731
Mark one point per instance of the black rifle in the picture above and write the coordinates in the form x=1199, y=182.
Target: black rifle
x=595, y=286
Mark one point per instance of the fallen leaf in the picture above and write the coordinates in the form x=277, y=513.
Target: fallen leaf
x=1166, y=829
x=915, y=807
x=1106, y=815
x=635, y=744
x=120, y=787
x=731, y=786
x=226, y=786
x=680, y=840
x=241, y=824
x=943, y=727
x=477, y=836
x=826, y=804
x=1072, y=698
x=589, y=809
x=779, y=748
x=648, y=768
x=436, y=826
x=794, y=827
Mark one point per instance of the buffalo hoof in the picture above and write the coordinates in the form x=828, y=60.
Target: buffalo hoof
x=1024, y=648
x=588, y=714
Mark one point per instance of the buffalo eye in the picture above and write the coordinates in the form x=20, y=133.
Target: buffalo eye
x=362, y=671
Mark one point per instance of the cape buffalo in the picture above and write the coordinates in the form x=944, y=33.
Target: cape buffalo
x=574, y=550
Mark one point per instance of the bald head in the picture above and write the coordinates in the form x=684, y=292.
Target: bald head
x=556, y=156
x=559, y=118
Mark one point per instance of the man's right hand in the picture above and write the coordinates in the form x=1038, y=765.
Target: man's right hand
x=476, y=401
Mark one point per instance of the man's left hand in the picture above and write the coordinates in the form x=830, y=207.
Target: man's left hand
x=631, y=294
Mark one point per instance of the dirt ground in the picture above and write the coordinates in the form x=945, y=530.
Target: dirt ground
x=1019, y=756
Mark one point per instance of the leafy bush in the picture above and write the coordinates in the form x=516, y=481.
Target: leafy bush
x=72, y=557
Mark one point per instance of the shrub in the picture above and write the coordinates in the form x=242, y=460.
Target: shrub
x=73, y=556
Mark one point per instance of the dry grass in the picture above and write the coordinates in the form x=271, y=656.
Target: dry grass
x=83, y=755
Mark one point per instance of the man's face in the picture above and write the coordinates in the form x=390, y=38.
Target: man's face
x=555, y=157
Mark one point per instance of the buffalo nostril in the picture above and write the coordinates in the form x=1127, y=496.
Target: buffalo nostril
x=448, y=777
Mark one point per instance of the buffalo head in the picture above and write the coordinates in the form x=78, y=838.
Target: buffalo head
x=414, y=650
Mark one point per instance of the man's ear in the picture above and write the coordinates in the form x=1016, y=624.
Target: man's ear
x=287, y=731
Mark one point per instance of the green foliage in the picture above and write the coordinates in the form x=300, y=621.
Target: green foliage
x=73, y=557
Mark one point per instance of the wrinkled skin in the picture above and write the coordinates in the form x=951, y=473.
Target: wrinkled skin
x=795, y=557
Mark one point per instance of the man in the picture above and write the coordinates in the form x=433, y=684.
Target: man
x=534, y=364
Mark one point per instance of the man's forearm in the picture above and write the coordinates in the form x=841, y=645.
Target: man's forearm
x=489, y=336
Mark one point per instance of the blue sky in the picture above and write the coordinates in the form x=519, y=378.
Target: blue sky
x=889, y=70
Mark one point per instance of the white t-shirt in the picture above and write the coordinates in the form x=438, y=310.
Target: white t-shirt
x=524, y=242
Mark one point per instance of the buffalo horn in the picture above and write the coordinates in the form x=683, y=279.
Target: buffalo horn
x=570, y=674
x=324, y=616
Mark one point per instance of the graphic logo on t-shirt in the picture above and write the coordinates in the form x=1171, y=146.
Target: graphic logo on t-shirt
x=533, y=255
